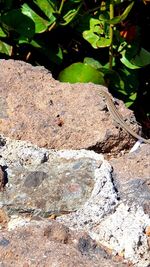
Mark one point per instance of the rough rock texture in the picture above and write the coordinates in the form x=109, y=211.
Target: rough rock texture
x=46, y=243
x=100, y=208
x=37, y=108
x=103, y=212
x=48, y=181
x=41, y=180
x=131, y=175
x=123, y=232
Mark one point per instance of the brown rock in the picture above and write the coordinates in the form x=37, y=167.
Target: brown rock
x=133, y=165
x=147, y=231
x=57, y=232
x=32, y=245
x=3, y=218
x=37, y=108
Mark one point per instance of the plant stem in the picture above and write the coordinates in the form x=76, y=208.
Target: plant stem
x=111, y=9
x=61, y=6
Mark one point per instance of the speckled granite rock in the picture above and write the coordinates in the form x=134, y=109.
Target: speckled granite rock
x=37, y=108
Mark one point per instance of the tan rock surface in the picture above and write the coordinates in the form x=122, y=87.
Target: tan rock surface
x=37, y=108
x=49, y=244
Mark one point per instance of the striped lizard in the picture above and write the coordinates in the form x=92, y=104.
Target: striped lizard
x=118, y=118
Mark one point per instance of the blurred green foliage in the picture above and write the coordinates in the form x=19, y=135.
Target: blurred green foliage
x=79, y=41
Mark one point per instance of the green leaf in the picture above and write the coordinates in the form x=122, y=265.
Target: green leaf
x=70, y=15
x=59, y=54
x=120, y=18
x=2, y=33
x=98, y=35
x=91, y=38
x=127, y=90
x=36, y=44
x=41, y=24
x=5, y=48
x=128, y=63
x=92, y=62
x=14, y=20
x=134, y=59
x=130, y=78
x=117, y=1
x=23, y=40
x=131, y=100
x=93, y=23
x=80, y=72
x=47, y=7
x=142, y=58
x=122, y=83
x=95, y=40
x=133, y=96
x=76, y=1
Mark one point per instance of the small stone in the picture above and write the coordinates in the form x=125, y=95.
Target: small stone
x=4, y=242
x=3, y=218
x=147, y=230
x=57, y=232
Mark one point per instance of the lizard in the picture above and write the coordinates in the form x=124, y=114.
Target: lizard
x=118, y=118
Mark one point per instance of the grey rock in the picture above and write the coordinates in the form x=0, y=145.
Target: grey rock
x=131, y=176
x=62, y=182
